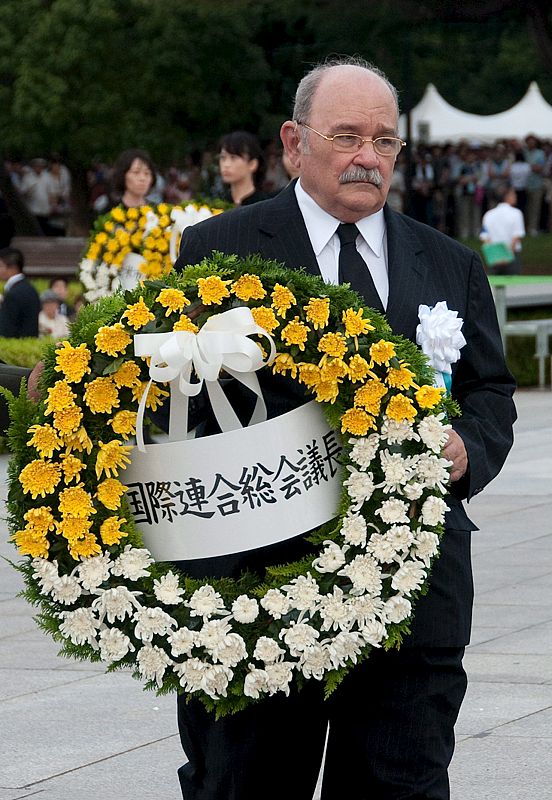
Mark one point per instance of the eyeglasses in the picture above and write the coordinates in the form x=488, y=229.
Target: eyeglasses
x=352, y=142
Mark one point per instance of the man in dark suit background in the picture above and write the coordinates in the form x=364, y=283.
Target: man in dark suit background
x=391, y=723
x=21, y=304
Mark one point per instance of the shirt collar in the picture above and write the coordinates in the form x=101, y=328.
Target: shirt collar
x=13, y=280
x=321, y=226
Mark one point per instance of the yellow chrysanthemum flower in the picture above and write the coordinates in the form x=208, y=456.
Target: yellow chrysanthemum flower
x=282, y=299
x=400, y=408
x=333, y=344
x=358, y=368
x=309, y=374
x=127, y=375
x=185, y=324
x=173, y=300
x=124, y=423
x=111, y=532
x=334, y=369
x=40, y=519
x=370, y=396
x=39, y=478
x=101, y=396
x=162, y=245
x=156, y=395
x=109, y=226
x=108, y=258
x=76, y=502
x=71, y=466
x=138, y=314
x=249, y=287
x=163, y=209
x=45, y=439
x=87, y=547
x=132, y=213
x=118, y=214
x=60, y=395
x=318, y=311
x=130, y=226
x=73, y=528
x=164, y=219
x=112, y=246
x=402, y=378
x=136, y=239
x=31, y=543
x=429, y=396
x=213, y=290
x=355, y=325
x=101, y=237
x=381, y=352
x=112, y=339
x=79, y=441
x=327, y=391
x=265, y=318
x=151, y=269
x=296, y=333
x=357, y=422
x=284, y=363
x=73, y=361
x=68, y=419
x=112, y=457
x=110, y=492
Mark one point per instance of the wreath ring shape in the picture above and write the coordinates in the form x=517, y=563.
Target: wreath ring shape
x=229, y=642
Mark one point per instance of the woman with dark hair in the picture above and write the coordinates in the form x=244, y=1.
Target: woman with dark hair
x=242, y=167
x=133, y=176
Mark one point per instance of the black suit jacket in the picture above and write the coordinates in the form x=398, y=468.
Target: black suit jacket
x=19, y=311
x=425, y=266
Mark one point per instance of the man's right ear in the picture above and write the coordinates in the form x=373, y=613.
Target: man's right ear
x=291, y=139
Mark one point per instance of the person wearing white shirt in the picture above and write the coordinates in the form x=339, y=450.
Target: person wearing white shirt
x=505, y=224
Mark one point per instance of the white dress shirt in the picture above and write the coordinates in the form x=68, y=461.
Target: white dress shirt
x=371, y=243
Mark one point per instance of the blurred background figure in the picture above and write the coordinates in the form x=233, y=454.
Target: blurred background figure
x=21, y=304
x=504, y=224
x=242, y=167
x=37, y=189
x=132, y=179
x=60, y=286
x=51, y=322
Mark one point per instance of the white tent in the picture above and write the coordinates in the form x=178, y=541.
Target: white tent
x=434, y=120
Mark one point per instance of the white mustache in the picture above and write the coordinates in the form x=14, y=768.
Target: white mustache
x=360, y=175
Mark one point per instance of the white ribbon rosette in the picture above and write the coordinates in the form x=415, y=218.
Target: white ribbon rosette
x=439, y=334
x=182, y=218
x=221, y=344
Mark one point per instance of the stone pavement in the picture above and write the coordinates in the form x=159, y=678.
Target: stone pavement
x=69, y=732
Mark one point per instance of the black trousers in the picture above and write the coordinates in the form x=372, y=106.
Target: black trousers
x=391, y=736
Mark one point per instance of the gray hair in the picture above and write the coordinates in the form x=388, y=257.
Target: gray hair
x=309, y=84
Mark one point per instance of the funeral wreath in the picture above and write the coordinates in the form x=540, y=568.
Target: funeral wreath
x=230, y=642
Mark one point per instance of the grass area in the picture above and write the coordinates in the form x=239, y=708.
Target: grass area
x=536, y=256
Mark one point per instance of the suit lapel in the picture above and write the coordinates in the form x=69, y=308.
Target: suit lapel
x=407, y=275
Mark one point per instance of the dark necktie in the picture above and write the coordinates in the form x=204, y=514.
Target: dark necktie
x=353, y=269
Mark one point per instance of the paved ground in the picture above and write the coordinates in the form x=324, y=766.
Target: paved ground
x=70, y=732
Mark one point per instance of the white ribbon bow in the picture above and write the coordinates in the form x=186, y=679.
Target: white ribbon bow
x=440, y=337
x=222, y=343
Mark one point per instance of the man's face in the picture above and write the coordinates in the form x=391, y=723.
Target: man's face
x=347, y=100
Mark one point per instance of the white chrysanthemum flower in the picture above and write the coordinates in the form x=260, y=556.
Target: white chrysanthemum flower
x=383, y=548
x=360, y=486
x=303, y=592
x=409, y=577
x=205, y=602
x=335, y=613
x=213, y=634
x=330, y=559
x=152, y=622
x=267, y=650
x=315, y=661
x=393, y=511
x=413, y=490
x=433, y=433
x=152, y=663
x=191, y=673
x=353, y=529
x=276, y=603
x=344, y=647
x=401, y=537
x=87, y=265
x=46, y=573
x=81, y=626
x=245, y=609
x=114, y=645
x=397, y=609
x=182, y=641
x=133, y=563
x=94, y=571
x=364, y=450
x=433, y=471
x=433, y=511
x=278, y=677
x=66, y=590
x=397, y=432
x=374, y=633
x=167, y=589
x=115, y=603
x=299, y=636
x=365, y=610
x=256, y=682
x=216, y=678
x=426, y=545
x=365, y=575
x=232, y=651
x=397, y=470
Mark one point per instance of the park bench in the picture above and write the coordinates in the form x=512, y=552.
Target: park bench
x=50, y=256
x=541, y=329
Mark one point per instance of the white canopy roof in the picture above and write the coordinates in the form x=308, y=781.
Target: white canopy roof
x=434, y=120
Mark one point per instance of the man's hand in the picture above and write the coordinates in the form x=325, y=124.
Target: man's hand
x=455, y=451
x=32, y=385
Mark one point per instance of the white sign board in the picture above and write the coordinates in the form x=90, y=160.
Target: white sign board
x=236, y=491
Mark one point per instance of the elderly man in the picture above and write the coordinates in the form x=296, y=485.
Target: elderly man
x=391, y=721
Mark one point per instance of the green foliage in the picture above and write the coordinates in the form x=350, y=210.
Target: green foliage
x=22, y=352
